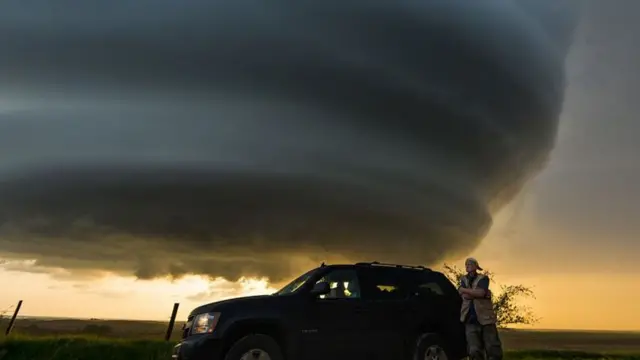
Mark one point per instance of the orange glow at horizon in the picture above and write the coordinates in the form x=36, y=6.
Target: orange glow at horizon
x=560, y=299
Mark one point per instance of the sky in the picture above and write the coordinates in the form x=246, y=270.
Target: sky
x=148, y=155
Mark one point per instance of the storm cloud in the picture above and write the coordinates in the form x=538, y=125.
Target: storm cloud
x=246, y=138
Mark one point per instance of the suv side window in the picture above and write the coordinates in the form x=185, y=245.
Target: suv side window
x=384, y=284
x=344, y=284
x=435, y=284
x=430, y=286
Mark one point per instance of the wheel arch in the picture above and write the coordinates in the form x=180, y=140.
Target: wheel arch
x=450, y=334
x=423, y=340
x=242, y=328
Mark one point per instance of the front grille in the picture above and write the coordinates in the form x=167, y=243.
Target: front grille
x=186, y=328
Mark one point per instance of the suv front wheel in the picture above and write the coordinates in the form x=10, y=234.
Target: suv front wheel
x=255, y=347
x=429, y=347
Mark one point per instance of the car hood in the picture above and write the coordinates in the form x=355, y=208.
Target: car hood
x=231, y=304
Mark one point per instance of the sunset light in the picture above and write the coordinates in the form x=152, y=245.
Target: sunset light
x=285, y=180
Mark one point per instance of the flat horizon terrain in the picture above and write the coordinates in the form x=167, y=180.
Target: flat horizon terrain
x=513, y=339
x=96, y=339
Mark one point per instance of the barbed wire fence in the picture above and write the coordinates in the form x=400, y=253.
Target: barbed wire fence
x=9, y=316
x=5, y=313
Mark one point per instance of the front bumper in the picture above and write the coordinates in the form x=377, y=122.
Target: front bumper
x=203, y=347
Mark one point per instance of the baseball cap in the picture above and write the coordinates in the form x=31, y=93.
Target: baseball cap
x=473, y=261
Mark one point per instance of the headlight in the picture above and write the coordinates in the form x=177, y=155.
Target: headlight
x=205, y=323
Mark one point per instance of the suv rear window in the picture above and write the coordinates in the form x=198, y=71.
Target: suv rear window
x=434, y=283
x=382, y=284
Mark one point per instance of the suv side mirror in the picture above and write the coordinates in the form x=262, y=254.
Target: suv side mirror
x=321, y=288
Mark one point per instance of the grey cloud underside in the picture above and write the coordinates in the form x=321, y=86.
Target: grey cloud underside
x=227, y=138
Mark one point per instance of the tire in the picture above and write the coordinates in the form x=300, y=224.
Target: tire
x=429, y=347
x=255, y=347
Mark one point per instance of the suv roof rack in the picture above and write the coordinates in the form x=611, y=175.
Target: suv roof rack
x=376, y=263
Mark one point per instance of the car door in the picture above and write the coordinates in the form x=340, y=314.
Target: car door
x=334, y=323
x=440, y=302
x=384, y=294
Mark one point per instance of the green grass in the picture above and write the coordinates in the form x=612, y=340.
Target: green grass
x=83, y=348
x=94, y=348
x=566, y=355
x=609, y=342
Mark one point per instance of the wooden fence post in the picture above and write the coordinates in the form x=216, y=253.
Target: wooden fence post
x=13, y=319
x=172, y=321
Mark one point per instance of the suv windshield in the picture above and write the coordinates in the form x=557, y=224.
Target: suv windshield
x=296, y=284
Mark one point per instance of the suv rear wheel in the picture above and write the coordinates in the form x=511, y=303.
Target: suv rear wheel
x=255, y=347
x=429, y=347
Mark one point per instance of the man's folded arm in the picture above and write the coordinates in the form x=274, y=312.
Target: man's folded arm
x=480, y=291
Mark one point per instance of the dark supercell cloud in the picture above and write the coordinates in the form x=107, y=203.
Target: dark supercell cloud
x=239, y=138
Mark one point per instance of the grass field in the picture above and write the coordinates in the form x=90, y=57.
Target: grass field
x=113, y=349
x=79, y=348
x=69, y=339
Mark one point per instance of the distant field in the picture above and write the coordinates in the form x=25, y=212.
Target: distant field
x=121, y=329
x=70, y=339
x=589, y=341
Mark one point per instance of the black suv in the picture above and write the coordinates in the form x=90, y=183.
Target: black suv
x=363, y=311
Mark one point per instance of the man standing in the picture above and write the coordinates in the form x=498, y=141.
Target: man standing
x=478, y=315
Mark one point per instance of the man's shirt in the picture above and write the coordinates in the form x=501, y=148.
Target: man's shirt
x=472, y=317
